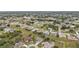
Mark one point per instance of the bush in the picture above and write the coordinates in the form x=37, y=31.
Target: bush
x=55, y=46
x=2, y=42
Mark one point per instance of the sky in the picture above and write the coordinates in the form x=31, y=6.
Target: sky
x=39, y=5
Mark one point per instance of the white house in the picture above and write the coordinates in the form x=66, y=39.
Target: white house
x=46, y=33
x=8, y=30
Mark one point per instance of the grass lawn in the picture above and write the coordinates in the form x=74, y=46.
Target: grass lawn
x=63, y=42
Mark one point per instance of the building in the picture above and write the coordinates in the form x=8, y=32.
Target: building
x=8, y=30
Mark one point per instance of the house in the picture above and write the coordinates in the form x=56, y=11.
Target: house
x=28, y=18
x=38, y=40
x=27, y=27
x=50, y=30
x=35, y=29
x=8, y=29
x=28, y=38
x=77, y=35
x=46, y=33
x=71, y=37
x=2, y=26
x=48, y=44
x=20, y=45
x=53, y=33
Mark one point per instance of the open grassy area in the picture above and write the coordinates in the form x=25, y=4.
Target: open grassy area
x=63, y=42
